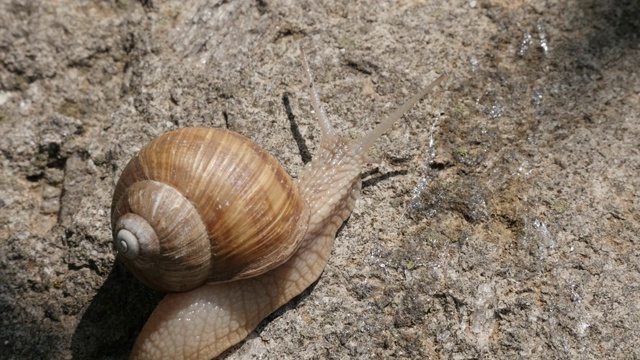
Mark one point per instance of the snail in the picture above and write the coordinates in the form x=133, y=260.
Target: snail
x=212, y=219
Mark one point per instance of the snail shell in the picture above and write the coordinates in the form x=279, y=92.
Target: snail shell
x=203, y=205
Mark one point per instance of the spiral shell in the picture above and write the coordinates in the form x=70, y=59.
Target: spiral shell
x=203, y=205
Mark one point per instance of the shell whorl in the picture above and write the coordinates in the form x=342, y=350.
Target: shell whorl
x=204, y=205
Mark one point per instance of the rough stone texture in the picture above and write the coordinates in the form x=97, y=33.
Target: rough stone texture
x=502, y=222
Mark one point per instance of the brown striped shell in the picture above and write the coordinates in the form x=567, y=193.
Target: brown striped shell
x=203, y=205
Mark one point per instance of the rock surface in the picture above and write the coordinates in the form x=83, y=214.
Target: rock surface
x=502, y=222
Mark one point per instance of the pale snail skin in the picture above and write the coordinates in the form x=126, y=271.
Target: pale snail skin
x=204, y=322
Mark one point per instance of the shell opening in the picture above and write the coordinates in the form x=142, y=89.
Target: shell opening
x=134, y=237
x=127, y=244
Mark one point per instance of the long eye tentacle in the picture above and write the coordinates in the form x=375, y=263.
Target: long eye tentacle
x=325, y=126
x=370, y=138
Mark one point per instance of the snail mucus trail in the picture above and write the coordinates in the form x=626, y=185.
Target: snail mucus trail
x=231, y=249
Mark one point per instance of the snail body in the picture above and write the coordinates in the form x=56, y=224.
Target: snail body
x=221, y=310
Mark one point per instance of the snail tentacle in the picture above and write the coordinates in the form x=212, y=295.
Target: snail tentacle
x=325, y=126
x=370, y=138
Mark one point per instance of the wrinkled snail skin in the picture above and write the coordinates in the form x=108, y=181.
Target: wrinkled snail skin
x=202, y=323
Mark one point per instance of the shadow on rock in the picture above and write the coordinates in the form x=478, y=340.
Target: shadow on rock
x=115, y=316
x=618, y=24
